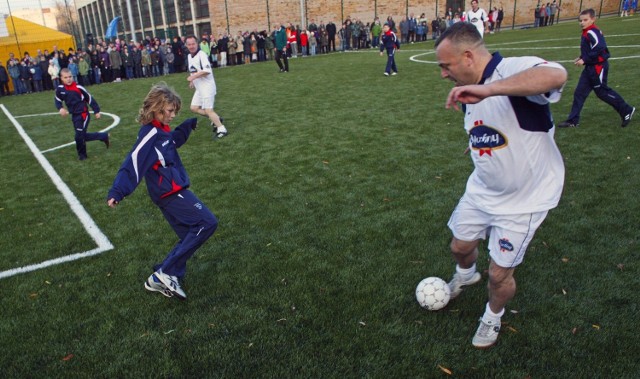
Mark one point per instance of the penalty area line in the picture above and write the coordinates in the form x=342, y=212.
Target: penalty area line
x=85, y=219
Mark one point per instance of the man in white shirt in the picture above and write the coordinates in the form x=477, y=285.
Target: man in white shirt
x=478, y=17
x=519, y=172
x=201, y=78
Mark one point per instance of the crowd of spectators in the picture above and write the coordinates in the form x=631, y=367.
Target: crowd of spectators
x=113, y=61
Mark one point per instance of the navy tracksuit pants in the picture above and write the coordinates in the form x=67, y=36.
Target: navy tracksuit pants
x=391, y=61
x=193, y=222
x=80, y=124
x=594, y=78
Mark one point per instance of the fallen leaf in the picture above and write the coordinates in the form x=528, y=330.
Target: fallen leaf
x=47, y=282
x=362, y=323
x=250, y=344
x=68, y=357
x=438, y=177
x=564, y=292
x=574, y=331
x=281, y=320
x=269, y=244
x=545, y=244
x=33, y=295
x=620, y=266
x=386, y=199
x=514, y=311
x=596, y=326
x=565, y=259
x=170, y=331
x=445, y=370
x=325, y=162
x=512, y=329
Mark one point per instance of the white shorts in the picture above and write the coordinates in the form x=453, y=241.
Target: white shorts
x=203, y=102
x=509, y=235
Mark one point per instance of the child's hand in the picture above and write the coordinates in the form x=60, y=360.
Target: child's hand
x=98, y=115
x=112, y=203
x=63, y=112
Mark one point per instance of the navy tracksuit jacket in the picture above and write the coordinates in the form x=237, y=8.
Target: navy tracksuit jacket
x=155, y=157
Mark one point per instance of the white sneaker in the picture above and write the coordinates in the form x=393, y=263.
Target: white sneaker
x=456, y=283
x=154, y=284
x=172, y=284
x=487, y=334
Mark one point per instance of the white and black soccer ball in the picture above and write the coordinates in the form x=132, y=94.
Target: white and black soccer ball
x=433, y=293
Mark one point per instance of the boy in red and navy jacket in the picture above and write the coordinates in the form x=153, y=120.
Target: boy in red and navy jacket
x=593, y=56
x=155, y=158
x=389, y=41
x=76, y=99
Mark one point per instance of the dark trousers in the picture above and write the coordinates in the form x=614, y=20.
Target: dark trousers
x=4, y=88
x=282, y=56
x=80, y=124
x=193, y=222
x=332, y=43
x=391, y=61
x=594, y=78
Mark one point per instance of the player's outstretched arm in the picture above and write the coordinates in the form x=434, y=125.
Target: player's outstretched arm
x=534, y=81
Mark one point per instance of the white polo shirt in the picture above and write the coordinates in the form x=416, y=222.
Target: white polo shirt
x=478, y=18
x=518, y=167
x=206, y=85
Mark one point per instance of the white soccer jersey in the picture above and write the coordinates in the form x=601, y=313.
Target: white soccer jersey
x=478, y=18
x=518, y=167
x=205, y=85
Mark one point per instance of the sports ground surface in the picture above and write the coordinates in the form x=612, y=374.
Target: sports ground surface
x=333, y=191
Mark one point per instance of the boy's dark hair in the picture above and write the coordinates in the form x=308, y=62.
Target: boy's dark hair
x=590, y=12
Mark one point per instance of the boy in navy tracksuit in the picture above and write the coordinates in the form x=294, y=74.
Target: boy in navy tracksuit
x=155, y=157
x=76, y=98
x=390, y=42
x=593, y=56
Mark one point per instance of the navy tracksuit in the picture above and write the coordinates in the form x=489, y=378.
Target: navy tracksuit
x=390, y=42
x=77, y=98
x=155, y=157
x=594, y=53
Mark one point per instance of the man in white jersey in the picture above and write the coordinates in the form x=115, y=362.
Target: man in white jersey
x=478, y=17
x=201, y=78
x=519, y=172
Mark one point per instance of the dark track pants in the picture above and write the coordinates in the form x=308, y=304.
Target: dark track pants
x=594, y=78
x=80, y=124
x=193, y=222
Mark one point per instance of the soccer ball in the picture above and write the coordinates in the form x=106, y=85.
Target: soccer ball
x=433, y=293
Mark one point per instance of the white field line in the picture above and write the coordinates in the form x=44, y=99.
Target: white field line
x=89, y=225
x=116, y=121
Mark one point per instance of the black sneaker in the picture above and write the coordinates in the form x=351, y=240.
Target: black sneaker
x=568, y=124
x=627, y=118
x=107, y=142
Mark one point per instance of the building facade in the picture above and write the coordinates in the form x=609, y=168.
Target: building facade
x=169, y=18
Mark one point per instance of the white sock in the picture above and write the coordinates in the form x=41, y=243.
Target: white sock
x=222, y=129
x=466, y=273
x=489, y=316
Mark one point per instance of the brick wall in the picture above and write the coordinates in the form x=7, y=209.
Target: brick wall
x=234, y=15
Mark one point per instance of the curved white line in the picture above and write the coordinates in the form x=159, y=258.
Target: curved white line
x=116, y=121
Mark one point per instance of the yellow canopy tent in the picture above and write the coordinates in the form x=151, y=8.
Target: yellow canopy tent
x=25, y=36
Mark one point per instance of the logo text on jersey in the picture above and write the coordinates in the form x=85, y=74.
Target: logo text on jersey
x=486, y=139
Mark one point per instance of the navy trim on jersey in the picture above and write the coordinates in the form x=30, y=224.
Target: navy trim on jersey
x=532, y=117
x=491, y=67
